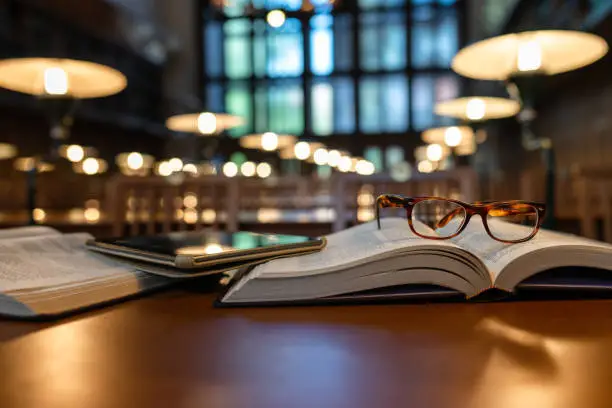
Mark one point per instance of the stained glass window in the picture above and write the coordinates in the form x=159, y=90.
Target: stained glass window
x=434, y=36
x=354, y=82
x=237, y=48
x=238, y=102
x=384, y=104
x=213, y=53
x=321, y=45
x=284, y=50
x=285, y=106
x=332, y=110
x=383, y=41
x=427, y=89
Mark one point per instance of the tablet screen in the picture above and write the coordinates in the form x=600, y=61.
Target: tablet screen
x=197, y=243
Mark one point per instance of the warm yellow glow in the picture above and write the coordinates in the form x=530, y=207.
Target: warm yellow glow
x=548, y=51
x=333, y=158
x=344, y=164
x=466, y=149
x=164, y=169
x=91, y=215
x=55, y=81
x=269, y=141
x=248, y=169
x=54, y=76
x=7, y=151
x=178, y=214
x=90, y=166
x=475, y=109
x=264, y=170
x=208, y=216
x=365, y=168
x=213, y=249
x=135, y=161
x=320, y=156
x=365, y=199
x=452, y=136
x=204, y=123
x=478, y=108
x=301, y=150
x=434, y=152
x=75, y=153
x=425, y=166
x=276, y=18
x=207, y=123
x=176, y=164
x=190, y=168
x=39, y=215
x=365, y=214
x=230, y=169
x=190, y=200
x=76, y=215
x=268, y=215
x=190, y=216
x=528, y=56
x=27, y=164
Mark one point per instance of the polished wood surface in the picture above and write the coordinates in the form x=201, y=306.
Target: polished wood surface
x=174, y=350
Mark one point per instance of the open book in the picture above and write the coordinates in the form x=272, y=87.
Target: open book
x=44, y=273
x=365, y=262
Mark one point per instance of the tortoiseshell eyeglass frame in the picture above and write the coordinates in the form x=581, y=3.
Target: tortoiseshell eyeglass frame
x=481, y=208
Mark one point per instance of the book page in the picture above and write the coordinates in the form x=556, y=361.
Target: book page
x=350, y=247
x=51, y=260
x=497, y=255
x=27, y=232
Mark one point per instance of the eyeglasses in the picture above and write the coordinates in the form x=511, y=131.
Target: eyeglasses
x=444, y=218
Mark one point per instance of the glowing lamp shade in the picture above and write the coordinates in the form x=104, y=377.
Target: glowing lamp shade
x=276, y=18
x=432, y=152
x=268, y=141
x=204, y=123
x=75, y=153
x=333, y=157
x=344, y=164
x=302, y=150
x=59, y=77
x=7, y=151
x=230, y=169
x=451, y=136
x=135, y=163
x=478, y=108
x=547, y=51
x=90, y=166
x=320, y=156
x=264, y=170
x=364, y=168
x=163, y=169
x=425, y=166
x=27, y=164
x=248, y=169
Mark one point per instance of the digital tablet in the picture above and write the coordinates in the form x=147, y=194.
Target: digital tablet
x=206, y=249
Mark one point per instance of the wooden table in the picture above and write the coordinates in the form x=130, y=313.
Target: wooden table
x=173, y=350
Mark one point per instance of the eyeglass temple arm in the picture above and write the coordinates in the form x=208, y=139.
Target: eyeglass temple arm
x=387, y=200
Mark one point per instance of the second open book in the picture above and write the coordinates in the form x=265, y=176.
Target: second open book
x=365, y=262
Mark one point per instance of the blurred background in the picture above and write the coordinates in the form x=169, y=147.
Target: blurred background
x=141, y=116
